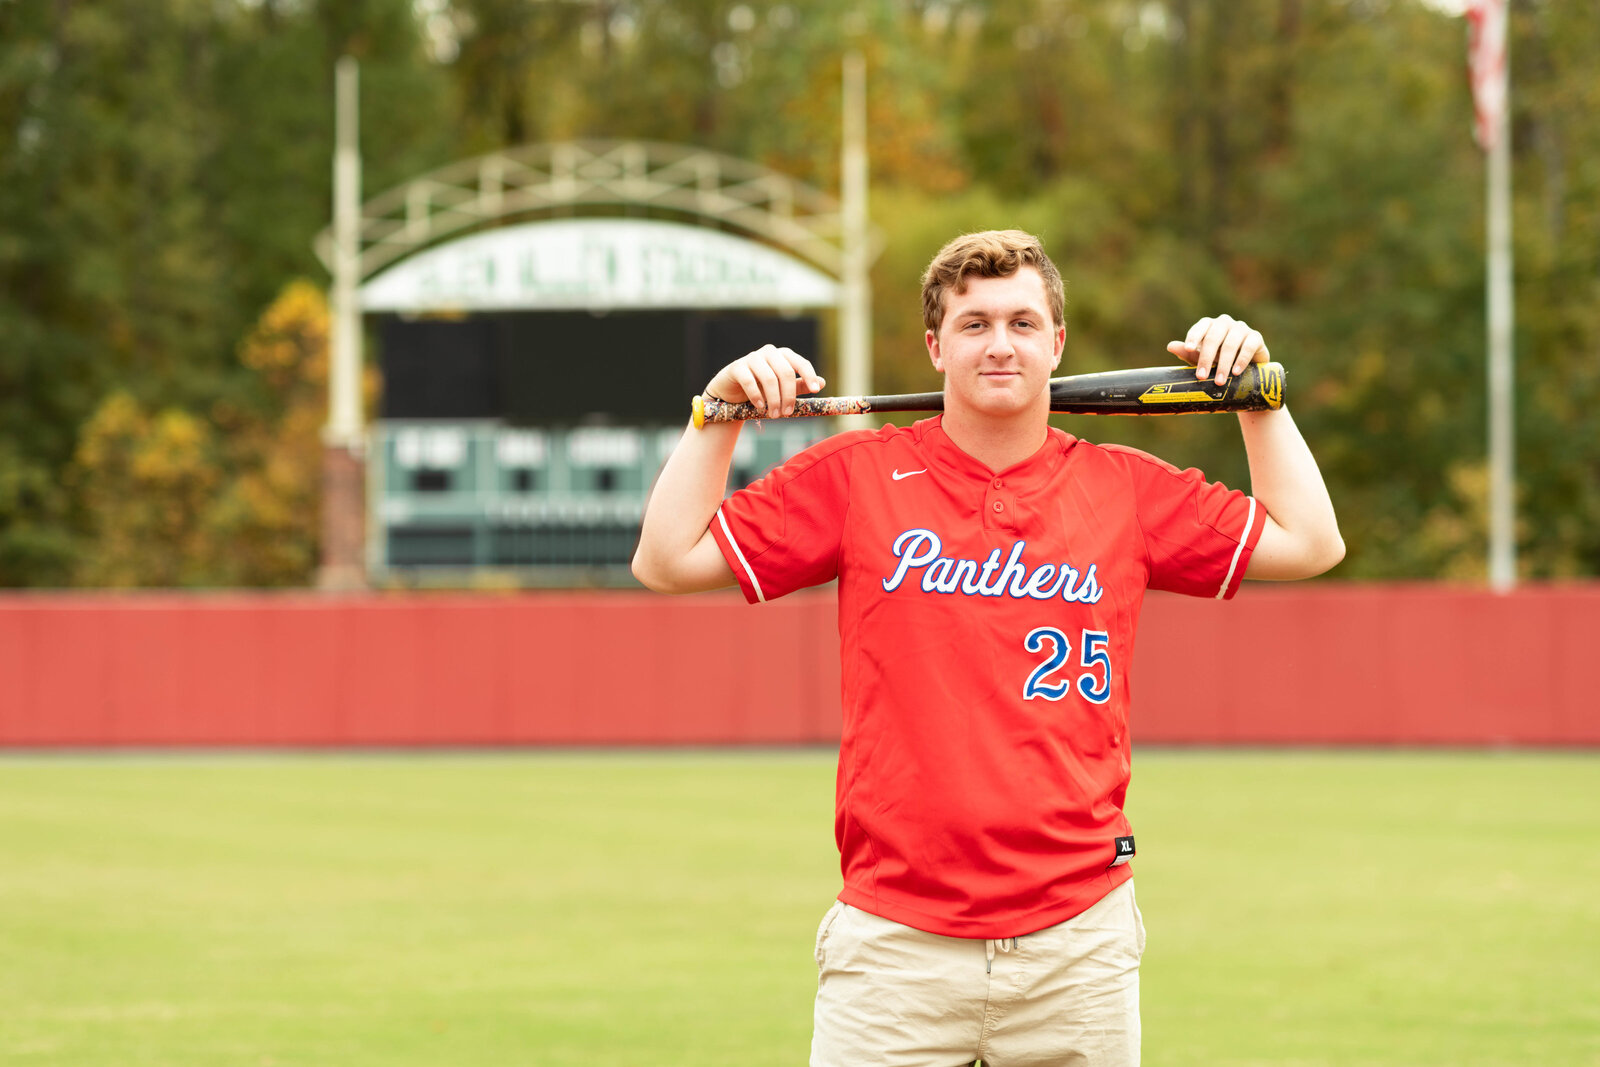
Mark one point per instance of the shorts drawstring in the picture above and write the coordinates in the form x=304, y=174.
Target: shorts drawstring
x=1004, y=944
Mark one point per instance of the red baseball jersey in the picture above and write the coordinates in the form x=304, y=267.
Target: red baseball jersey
x=986, y=623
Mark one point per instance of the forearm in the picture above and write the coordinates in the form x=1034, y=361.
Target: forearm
x=675, y=552
x=1302, y=536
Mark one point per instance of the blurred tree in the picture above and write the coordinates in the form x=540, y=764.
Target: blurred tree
x=1556, y=67
x=514, y=54
x=146, y=481
x=759, y=80
x=1376, y=218
x=263, y=528
x=164, y=168
x=1360, y=260
x=174, y=499
x=106, y=269
x=268, y=173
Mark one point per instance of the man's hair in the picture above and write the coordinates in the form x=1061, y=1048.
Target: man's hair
x=990, y=254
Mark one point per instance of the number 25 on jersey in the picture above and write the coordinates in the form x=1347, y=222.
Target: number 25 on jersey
x=1094, y=684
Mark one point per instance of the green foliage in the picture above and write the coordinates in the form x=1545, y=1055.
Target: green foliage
x=147, y=480
x=1303, y=164
x=263, y=528
x=231, y=499
x=164, y=168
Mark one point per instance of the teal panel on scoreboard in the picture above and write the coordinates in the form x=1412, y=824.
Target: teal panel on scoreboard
x=550, y=505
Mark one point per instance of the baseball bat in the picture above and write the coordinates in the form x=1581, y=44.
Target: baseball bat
x=1141, y=391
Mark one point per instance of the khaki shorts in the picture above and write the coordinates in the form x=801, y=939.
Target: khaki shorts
x=891, y=995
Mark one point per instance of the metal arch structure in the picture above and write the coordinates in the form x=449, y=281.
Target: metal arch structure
x=565, y=179
x=562, y=177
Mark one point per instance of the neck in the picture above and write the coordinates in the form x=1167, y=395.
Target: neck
x=997, y=441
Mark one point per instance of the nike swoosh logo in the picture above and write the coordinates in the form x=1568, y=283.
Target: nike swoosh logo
x=896, y=475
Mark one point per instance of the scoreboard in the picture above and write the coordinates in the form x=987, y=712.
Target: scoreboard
x=524, y=444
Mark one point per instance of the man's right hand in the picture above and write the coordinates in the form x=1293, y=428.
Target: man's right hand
x=769, y=378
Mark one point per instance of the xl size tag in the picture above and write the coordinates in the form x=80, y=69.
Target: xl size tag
x=1124, y=851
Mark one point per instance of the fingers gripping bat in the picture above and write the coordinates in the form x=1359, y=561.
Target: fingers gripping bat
x=1142, y=391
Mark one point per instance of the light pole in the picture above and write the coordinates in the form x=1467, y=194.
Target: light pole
x=343, y=437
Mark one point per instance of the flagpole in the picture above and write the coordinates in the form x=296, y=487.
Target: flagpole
x=1502, y=426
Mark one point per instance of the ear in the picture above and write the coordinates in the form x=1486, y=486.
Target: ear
x=931, y=339
x=1061, y=344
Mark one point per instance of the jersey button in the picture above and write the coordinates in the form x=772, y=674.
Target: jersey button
x=999, y=506
x=998, y=483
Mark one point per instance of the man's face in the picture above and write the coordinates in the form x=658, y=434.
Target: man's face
x=997, y=345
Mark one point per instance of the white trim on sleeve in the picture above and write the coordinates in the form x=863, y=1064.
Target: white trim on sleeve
x=756, y=585
x=1249, y=521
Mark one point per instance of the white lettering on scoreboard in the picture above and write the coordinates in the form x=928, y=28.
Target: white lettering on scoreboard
x=598, y=264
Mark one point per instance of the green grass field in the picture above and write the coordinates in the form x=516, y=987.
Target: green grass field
x=638, y=908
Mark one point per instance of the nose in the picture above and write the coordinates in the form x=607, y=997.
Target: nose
x=1000, y=343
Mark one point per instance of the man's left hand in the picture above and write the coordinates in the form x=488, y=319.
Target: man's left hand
x=1223, y=345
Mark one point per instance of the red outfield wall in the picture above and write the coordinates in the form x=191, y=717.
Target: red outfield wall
x=1319, y=664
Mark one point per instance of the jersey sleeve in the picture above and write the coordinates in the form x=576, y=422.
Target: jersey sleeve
x=1198, y=534
x=783, y=532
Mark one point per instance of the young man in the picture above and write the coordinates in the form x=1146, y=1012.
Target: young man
x=991, y=570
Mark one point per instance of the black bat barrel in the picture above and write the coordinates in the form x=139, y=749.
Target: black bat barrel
x=1167, y=391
